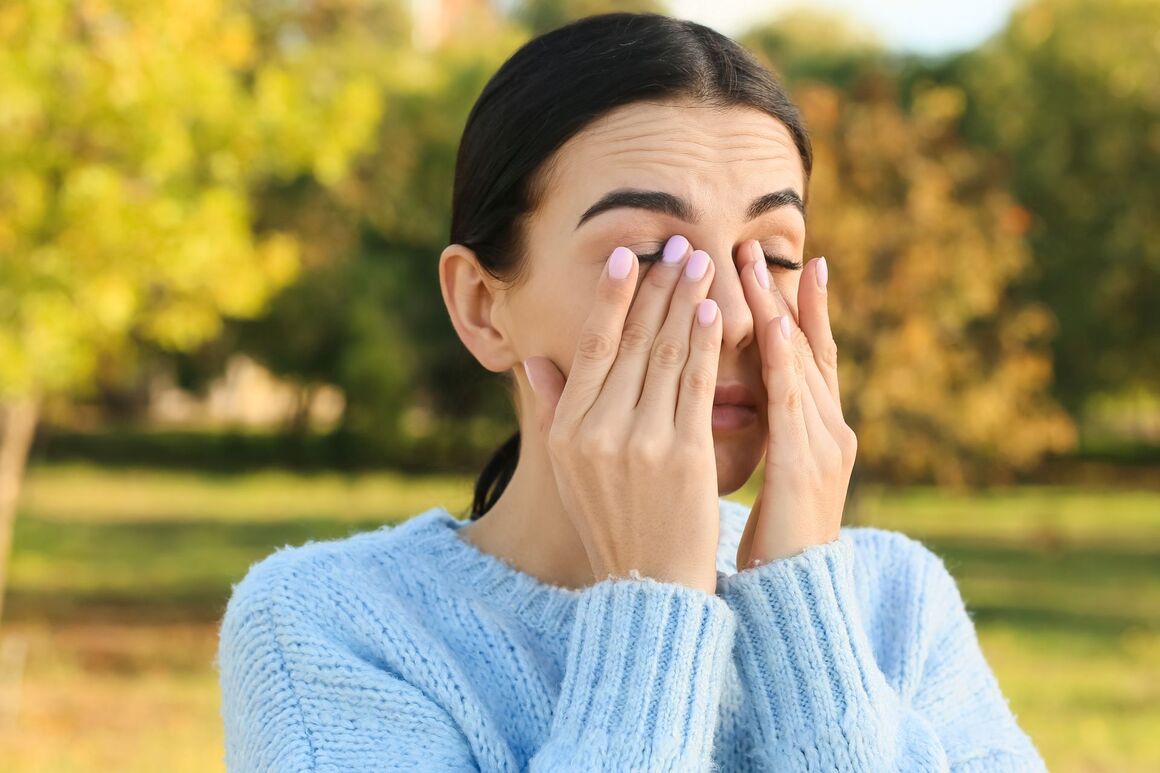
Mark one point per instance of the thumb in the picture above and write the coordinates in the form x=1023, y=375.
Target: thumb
x=547, y=384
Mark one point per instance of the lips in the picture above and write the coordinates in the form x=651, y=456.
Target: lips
x=734, y=394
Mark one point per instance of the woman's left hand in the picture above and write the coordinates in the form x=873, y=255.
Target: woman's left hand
x=811, y=449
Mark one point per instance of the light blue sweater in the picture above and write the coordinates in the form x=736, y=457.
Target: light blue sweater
x=408, y=648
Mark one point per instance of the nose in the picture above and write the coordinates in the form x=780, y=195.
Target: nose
x=727, y=291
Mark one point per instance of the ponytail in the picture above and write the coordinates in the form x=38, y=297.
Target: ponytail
x=495, y=476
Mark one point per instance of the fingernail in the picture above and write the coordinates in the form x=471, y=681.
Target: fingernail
x=620, y=263
x=706, y=312
x=675, y=249
x=762, y=274
x=697, y=266
x=784, y=320
x=823, y=272
x=531, y=381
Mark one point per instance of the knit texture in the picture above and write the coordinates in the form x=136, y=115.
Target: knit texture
x=408, y=648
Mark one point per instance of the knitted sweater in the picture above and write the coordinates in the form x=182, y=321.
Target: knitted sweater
x=408, y=648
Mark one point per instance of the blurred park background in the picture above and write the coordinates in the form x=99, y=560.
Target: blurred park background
x=221, y=331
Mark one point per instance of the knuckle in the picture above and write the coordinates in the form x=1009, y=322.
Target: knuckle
x=594, y=345
x=848, y=442
x=787, y=397
x=645, y=449
x=595, y=444
x=667, y=353
x=636, y=337
x=796, y=366
x=801, y=342
x=827, y=352
x=830, y=459
x=699, y=381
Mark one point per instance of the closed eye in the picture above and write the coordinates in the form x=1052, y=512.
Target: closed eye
x=770, y=260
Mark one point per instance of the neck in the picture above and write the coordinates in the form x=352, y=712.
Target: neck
x=528, y=526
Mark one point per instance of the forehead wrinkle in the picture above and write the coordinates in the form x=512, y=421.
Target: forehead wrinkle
x=707, y=149
x=667, y=156
x=652, y=147
x=637, y=125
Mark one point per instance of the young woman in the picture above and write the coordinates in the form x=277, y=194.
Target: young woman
x=627, y=234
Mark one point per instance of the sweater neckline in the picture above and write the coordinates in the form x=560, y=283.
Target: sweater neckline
x=544, y=606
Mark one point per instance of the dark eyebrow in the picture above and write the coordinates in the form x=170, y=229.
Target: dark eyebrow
x=675, y=206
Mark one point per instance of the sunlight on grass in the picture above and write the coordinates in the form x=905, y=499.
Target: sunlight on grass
x=119, y=578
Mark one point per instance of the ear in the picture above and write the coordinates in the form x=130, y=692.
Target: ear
x=470, y=295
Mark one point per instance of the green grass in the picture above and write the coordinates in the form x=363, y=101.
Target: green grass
x=119, y=578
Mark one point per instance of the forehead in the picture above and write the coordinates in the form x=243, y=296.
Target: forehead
x=716, y=157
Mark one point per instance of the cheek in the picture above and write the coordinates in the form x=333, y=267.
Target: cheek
x=552, y=313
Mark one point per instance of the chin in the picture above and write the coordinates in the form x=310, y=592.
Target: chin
x=737, y=458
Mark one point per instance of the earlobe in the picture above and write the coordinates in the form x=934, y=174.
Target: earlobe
x=471, y=299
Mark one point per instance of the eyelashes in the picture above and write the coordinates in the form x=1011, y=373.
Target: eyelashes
x=770, y=260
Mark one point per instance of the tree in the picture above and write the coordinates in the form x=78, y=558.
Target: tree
x=945, y=371
x=131, y=139
x=366, y=314
x=1067, y=96
x=544, y=15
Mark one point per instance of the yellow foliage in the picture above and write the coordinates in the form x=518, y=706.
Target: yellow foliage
x=132, y=136
x=943, y=373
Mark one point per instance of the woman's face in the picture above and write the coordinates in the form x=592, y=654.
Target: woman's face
x=719, y=162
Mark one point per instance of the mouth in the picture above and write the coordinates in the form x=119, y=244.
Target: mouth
x=733, y=407
x=734, y=394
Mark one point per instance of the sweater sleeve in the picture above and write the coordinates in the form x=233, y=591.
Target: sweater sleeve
x=822, y=703
x=640, y=691
x=643, y=678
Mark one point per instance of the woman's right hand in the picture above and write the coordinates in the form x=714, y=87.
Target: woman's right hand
x=629, y=432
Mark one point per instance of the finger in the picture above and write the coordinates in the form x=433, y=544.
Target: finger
x=758, y=287
x=818, y=435
x=814, y=319
x=818, y=403
x=789, y=438
x=670, y=351
x=650, y=307
x=599, y=339
x=699, y=380
x=547, y=383
x=766, y=303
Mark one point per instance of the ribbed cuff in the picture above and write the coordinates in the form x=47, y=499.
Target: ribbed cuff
x=645, y=667
x=806, y=658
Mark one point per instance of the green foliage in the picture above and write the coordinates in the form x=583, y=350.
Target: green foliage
x=165, y=167
x=945, y=370
x=131, y=139
x=807, y=44
x=1067, y=94
x=543, y=15
x=367, y=315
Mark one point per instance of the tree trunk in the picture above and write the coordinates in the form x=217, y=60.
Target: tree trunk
x=17, y=426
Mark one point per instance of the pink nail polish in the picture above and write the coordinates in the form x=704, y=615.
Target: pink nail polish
x=675, y=249
x=706, y=312
x=620, y=263
x=823, y=272
x=697, y=266
x=785, y=333
x=762, y=274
